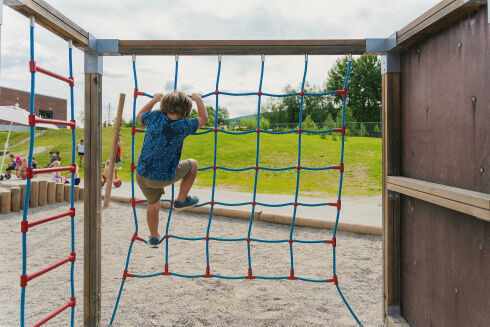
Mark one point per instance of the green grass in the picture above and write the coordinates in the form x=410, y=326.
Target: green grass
x=362, y=159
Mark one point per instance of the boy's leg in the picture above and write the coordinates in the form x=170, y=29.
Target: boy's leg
x=153, y=219
x=187, y=182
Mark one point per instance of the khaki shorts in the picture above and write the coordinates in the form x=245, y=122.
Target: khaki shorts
x=153, y=189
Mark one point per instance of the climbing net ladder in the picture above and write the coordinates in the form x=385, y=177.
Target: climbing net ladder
x=25, y=224
x=248, y=239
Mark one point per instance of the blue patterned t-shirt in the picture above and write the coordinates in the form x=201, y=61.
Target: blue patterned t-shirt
x=163, y=143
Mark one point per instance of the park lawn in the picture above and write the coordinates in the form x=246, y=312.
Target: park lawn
x=362, y=159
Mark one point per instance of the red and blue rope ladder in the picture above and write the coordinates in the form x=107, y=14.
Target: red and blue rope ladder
x=248, y=239
x=26, y=225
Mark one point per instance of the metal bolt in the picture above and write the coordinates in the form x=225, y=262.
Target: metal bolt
x=460, y=44
x=455, y=291
x=482, y=170
x=411, y=208
x=418, y=50
x=426, y=108
x=473, y=100
x=481, y=246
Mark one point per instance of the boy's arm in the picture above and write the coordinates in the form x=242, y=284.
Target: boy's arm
x=149, y=106
x=201, y=110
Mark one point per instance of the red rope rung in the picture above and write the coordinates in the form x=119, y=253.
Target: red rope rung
x=25, y=225
x=31, y=172
x=135, y=130
x=25, y=278
x=34, y=68
x=71, y=303
x=33, y=120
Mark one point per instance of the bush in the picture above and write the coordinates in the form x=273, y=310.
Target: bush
x=308, y=123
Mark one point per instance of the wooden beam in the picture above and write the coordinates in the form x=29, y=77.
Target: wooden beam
x=391, y=201
x=92, y=196
x=241, y=47
x=472, y=198
x=435, y=19
x=50, y=18
x=115, y=137
x=433, y=197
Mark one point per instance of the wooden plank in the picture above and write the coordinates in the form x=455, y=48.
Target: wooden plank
x=241, y=47
x=443, y=202
x=15, y=199
x=435, y=19
x=391, y=201
x=60, y=192
x=48, y=17
x=92, y=196
x=477, y=199
x=117, y=129
x=5, y=201
x=34, y=194
x=43, y=192
x=51, y=192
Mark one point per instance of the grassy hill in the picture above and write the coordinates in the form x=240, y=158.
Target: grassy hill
x=362, y=159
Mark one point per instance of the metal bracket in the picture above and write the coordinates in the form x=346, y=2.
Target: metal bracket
x=390, y=62
x=93, y=62
x=381, y=45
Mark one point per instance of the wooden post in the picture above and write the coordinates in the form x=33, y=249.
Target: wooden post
x=60, y=192
x=76, y=194
x=34, y=194
x=22, y=194
x=15, y=198
x=117, y=129
x=391, y=200
x=80, y=194
x=43, y=193
x=92, y=199
x=5, y=201
x=67, y=191
x=51, y=190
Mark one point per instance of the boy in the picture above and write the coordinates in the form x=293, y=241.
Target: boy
x=158, y=163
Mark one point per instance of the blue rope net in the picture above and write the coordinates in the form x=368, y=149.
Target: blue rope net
x=30, y=173
x=248, y=239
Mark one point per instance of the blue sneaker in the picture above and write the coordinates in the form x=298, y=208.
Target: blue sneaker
x=153, y=242
x=189, y=202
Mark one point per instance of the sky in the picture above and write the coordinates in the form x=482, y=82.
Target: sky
x=194, y=19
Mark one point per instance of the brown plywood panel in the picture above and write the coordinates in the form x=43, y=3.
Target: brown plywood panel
x=445, y=261
x=446, y=135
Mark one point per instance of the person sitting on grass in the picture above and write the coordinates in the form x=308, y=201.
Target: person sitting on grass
x=12, y=165
x=52, y=159
x=56, y=176
x=34, y=163
x=159, y=162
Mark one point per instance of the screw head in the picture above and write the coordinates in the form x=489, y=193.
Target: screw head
x=473, y=99
x=482, y=170
x=460, y=44
x=426, y=108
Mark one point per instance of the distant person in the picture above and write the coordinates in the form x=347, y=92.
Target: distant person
x=57, y=156
x=106, y=169
x=34, y=163
x=23, y=169
x=56, y=176
x=11, y=165
x=118, y=154
x=52, y=159
x=81, y=152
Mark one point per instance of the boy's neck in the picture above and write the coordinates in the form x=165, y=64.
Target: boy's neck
x=174, y=116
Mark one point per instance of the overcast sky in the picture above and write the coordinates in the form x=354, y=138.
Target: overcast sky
x=193, y=19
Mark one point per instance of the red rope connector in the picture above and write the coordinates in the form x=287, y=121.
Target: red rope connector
x=259, y=93
x=133, y=167
x=126, y=274
x=295, y=204
x=206, y=238
x=135, y=236
x=73, y=167
x=73, y=124
x=24, y=226
x=215, y=130
x=171, y=201
x=335, y=280
x=256, y=167
x=208, y=273
x=212, y=203
x=291, y=275
x=166, y=272
x=32, y=66
x=254, y=203
x=301, y=93
x=216, y=92
x=166, y=236
x=29, y=174
x=134, y=202
x=249, y=239
x=23, y=280
x=300, y=130
x=333, y=241
x=339, y=167
x=340, y=130
x=73, y=256
x=71, y=81
x=298, y=167
x=290, y=241
x=72, y=212
x=335, y=204
x=342, y=92
x=73, y=301
x=215, y=167
x=250, y=275
x=257, y=130
x=135, y=130
x=135, y=94
x=32, y=120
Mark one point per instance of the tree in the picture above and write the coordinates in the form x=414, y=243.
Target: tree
x=364, y=86
x=223, y=115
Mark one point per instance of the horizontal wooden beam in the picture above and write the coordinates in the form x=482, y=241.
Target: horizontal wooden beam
x=469, y=202
x=241, y=47
x=441, y=15
x=50, y=18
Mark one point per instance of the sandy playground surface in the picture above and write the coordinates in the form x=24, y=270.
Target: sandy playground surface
x=174, y=301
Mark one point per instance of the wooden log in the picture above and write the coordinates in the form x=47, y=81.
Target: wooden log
x=43, y=193
x=76, y=195
x=15, y=199
x=5, y=201
x=51, y=196
x=67, y=192
x=22, y=195
x=60, y=192
x=117, y=129
x=80, y=194
x=34, y=194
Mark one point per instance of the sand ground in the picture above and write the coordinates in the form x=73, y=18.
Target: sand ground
x=174, y=301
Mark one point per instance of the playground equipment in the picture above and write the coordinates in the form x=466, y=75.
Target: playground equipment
x=249, y=238
x=115, y=181
x=436, y=185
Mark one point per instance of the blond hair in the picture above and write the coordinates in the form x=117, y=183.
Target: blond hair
x=176, y=102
